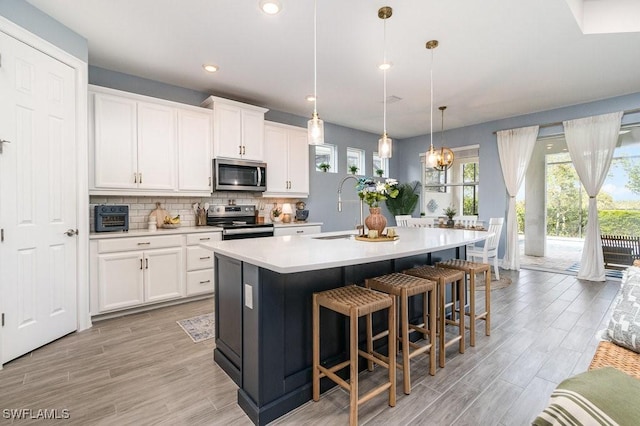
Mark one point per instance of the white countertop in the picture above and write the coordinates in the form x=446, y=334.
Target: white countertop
x=147, y=233
x=293, y=253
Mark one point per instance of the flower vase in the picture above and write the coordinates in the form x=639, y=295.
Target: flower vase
x=375, y=220
x=450, y=223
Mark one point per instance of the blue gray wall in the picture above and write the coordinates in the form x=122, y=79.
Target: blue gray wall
x=30, y=18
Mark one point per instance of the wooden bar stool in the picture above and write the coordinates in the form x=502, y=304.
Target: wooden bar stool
x=471, y=269
x=404, y=286
x=442, y=277
x=354, y=302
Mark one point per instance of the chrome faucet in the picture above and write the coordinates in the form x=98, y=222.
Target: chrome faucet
x=360, y=226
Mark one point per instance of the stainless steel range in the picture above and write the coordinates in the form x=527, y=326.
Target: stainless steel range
x=238, y=222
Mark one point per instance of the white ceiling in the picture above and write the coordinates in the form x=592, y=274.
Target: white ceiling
x=497, y=58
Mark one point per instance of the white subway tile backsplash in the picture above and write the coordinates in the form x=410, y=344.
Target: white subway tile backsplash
x=141, y=207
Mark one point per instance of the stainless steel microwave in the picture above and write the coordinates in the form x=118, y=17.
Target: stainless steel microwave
x=239, y=175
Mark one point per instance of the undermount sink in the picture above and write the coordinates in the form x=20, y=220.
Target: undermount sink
x=334, y=237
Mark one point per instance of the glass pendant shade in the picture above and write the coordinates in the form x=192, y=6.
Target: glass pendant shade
x=315, y=130
x=385, y=146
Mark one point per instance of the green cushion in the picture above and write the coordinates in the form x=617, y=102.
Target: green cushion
x=605, y=396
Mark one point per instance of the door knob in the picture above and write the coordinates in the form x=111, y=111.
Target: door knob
x=71, y=232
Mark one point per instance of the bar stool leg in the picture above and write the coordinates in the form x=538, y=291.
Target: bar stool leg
x=369, y=341
x=472, y=308
x=427, y=313
x=353, y=368
x=392, y=350
x=432, y=329
x=461, y=319
x=404, y=324
x=441, y=322
x=316, y=349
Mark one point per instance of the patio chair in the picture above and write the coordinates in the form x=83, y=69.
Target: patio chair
x=490, y=247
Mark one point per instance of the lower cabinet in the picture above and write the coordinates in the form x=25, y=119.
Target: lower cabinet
x=200, y=263
x=130, y=272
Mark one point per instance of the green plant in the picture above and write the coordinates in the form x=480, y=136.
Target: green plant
x=353, y=169
x=450, y=212
x=407, y=199
x=372, y=192
x=379, y=172
x=324, y=166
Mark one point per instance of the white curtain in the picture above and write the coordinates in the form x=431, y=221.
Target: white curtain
x=515, y=147
x=591, y=142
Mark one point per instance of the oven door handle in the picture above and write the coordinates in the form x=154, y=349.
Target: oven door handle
x=264, y=230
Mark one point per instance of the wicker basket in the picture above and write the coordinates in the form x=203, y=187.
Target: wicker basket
x=611, y=355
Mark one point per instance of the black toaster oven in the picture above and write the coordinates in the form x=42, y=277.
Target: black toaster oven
x=111, y=218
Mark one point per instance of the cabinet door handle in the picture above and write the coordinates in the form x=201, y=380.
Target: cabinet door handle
x=205, y=282
x=239, y=149
x=209, y=180
x=299, y=232
x=141, y=264
x=146, y=263
x=140, y=177
x=243, y=150
x=135, y=178
x=205, y=239
x=144, y=244
x=205, y=258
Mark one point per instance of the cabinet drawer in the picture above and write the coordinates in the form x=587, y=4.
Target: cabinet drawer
x=199, y=258
x=297, y=230
x=138, y=243
x=199, y=282
x=193, y=239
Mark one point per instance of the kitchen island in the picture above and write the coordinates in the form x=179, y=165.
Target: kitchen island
x=263, y=289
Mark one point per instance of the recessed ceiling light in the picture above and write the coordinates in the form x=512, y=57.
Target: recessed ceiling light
x=310, y=98
x=210, y=68
x=270, y=7
x=385, y=66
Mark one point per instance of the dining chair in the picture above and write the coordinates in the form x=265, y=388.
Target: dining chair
x=490, y=248
x=401, y=219
x=420, y=222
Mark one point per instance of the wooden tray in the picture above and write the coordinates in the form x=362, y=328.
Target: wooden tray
x=376, y=240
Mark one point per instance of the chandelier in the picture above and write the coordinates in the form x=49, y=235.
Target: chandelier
x=440, y=159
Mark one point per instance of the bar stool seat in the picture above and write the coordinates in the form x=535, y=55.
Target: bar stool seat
x=444, y=276
x=471, y=269
x=402, y=286
x=354, y=302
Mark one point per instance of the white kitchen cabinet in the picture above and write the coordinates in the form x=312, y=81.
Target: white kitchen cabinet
x=146, y=146
x=200, y=263
x=296, y=230
x=287, y=158
x=194, y=150
x=238, y=129
x=136, y=271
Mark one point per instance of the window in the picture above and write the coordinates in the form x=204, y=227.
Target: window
x=380, y=164
x=326, y=155
x=355, y=161
x=456, y=187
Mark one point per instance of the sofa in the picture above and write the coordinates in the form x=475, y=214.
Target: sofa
x=609, y=392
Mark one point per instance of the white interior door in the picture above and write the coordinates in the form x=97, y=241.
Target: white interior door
x=38, y=198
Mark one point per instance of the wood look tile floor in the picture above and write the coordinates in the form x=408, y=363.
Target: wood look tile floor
x=143, y=369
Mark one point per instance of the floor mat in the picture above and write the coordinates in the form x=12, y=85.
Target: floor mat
x=609, y=273
x=199, y=328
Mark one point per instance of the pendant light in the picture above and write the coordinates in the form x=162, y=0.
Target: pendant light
x=385, y=146
x=315, y=126
x=441, y=159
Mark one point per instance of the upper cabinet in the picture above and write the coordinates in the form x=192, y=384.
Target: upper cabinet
x=287, y=157
x=147, y=146
x=238, y=130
